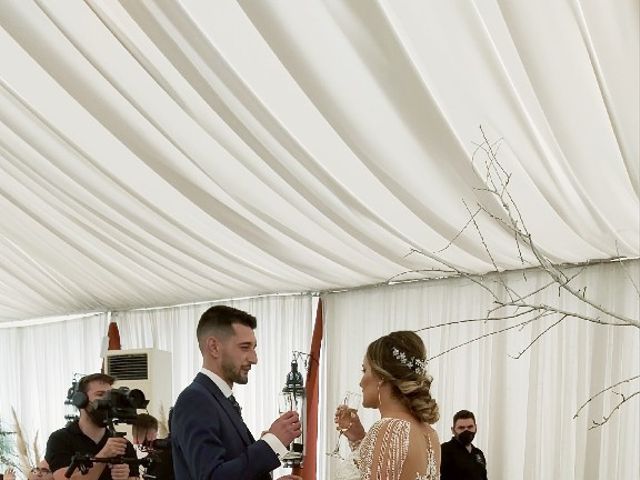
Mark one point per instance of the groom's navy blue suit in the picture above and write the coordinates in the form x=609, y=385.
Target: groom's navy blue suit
x=210, y=441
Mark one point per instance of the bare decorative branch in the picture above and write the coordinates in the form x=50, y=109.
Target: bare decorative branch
x=611, y=387
x=518, y=305
x=489, y=334
x=471, y=320
x=538, y=337
x=606, y=418
x=626, y=270
x=423, y=270
x=452, y=241
x=473, y=340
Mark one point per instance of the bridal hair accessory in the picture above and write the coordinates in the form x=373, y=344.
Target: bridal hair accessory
x=412, y=363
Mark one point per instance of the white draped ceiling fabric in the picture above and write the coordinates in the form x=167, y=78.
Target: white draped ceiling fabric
x=165, y=152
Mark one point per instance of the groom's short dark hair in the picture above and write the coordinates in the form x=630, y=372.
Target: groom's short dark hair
x=219, y=319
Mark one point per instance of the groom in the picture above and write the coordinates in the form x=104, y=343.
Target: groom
x=209, y=438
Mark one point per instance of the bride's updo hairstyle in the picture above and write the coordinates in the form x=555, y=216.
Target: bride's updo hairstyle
x=399, y=359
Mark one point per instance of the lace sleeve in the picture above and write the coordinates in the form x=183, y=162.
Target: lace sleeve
x=347, y=469
x=384, y=450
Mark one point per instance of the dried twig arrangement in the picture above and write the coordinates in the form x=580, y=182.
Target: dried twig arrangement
x=27, y=458
x=508, y=304
x=23, y=448
x=7, y=456
x=163, y=424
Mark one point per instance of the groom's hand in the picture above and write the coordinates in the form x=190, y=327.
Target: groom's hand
x=287, y=427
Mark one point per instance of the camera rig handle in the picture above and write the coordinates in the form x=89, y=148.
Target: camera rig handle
x=84, y=462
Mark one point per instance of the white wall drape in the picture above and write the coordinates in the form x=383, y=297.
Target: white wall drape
x=524, y=407
x=37, y=362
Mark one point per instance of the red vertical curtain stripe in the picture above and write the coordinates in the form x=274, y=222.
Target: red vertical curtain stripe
x=308, y=471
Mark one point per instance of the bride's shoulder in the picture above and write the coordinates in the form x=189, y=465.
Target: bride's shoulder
x=393, y=422
x=428, y=432
x=435, y=439
x=431, y=431
x=390, y=425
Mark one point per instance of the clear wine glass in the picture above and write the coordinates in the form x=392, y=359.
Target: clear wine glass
x=351, y=401
x=285, y=402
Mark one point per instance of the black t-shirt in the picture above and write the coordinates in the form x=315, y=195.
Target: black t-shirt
x=458, y=463
x=63, y=444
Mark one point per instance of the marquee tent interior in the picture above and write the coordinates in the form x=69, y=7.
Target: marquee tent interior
x=158, y=157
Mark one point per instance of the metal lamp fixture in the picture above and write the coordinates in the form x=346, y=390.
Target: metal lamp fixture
x=293, y=397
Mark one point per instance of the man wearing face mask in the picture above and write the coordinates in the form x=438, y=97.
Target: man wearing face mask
x=88, y=435
x=461, y=460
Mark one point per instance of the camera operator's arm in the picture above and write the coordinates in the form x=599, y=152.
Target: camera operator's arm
x=114, y=447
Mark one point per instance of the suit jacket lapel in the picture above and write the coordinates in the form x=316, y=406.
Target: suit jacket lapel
x=226, y=406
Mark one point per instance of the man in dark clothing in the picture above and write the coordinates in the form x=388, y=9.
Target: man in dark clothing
x=460, y=459
x=145, y=435
x=209, y=438
x=88, y=435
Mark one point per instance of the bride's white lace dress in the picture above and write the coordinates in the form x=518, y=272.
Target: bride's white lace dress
x=382, y=455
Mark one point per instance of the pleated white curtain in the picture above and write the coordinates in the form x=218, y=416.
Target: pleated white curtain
x=37, y=364
x=524, y=407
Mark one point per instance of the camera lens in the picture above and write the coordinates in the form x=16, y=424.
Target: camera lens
x=136, y=398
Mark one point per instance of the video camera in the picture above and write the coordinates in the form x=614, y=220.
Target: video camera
x=120, y=405
x=157, y=444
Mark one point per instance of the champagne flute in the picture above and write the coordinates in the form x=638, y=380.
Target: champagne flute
x=285, y=402
x=350, y=403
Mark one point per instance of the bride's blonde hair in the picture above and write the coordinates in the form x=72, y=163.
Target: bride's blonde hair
x=399, y=359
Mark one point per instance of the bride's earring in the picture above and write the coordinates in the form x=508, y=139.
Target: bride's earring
x=379, y=399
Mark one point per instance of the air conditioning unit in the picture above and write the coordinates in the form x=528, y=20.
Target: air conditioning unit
x=148, y=370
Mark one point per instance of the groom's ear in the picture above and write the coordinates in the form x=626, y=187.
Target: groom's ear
x=213, y=345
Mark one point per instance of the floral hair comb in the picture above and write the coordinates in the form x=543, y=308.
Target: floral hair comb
x=412, y=363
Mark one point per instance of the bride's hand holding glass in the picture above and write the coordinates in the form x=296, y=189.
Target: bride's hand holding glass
x=348, y=423
x=346, y=418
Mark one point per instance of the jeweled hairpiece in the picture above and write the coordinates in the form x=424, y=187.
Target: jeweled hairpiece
x=412, y=363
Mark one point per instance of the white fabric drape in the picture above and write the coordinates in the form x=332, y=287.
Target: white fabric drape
x=37, y=362
x=168, y=152
x=524, y=407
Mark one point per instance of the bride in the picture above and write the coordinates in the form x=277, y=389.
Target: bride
x=402, y=445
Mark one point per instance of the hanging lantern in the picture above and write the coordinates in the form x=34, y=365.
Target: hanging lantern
x=292, y=398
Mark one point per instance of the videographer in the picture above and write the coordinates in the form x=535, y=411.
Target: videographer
x=89, y=435
x=145, y=435
x=144, y=429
